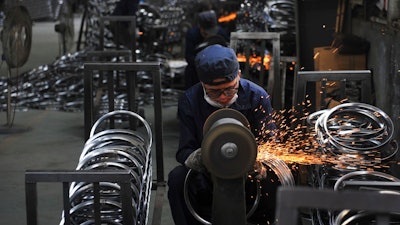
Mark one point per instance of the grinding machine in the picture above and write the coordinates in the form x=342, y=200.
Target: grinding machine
x=350, y=146
x=229, y=152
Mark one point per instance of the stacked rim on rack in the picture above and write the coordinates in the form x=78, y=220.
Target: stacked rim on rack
x=114, y=149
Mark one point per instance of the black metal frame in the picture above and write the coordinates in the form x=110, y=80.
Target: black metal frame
x=371, y=185
x=123, y=178
x=274, y=86
x=131, y=19
x=292, y=199
x=90, y=114
x=102, y=55
x=129, y=68
x=342, y=76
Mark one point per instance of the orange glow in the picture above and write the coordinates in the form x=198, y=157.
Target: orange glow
x=283, y=152
x=255, y=59
x=298, y=145
x=227, y=18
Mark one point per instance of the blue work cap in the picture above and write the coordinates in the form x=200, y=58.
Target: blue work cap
x=208, y=21
x=216, y=62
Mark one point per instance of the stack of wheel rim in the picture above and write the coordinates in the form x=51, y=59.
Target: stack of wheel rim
x=114, y=149
x=356, y=132
x=359, y=137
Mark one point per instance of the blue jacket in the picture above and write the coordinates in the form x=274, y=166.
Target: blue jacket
x=253, y=102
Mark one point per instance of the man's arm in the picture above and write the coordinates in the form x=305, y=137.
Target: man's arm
x=188, y=141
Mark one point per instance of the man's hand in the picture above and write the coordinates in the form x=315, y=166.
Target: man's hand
x=194, y=161
x=259, y=171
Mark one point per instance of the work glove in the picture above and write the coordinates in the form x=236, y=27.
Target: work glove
x=259, y=171
x=194, y=161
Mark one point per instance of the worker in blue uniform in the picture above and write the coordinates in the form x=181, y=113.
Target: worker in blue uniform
x=220, y=86
x=207, y=28
x=122, y=31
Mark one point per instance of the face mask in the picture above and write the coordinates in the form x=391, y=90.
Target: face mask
x=217, y=104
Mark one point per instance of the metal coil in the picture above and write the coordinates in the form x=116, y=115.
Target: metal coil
x=114, y=149
x=348, y=216
x=281, y=170
x=357, y=140
x=355, y=132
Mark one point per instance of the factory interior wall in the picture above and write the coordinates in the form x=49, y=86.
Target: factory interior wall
x=316, y=21
x=383, y=60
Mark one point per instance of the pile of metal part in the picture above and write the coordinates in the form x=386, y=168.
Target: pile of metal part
x=59, y=85
x=114, y=149
x=360, y=135
x=355, y=148
x=158, y=28
x=350, y=146
x=275, y=16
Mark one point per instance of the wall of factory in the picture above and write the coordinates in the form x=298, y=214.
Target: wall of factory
x=384, y=60
x=316, y=28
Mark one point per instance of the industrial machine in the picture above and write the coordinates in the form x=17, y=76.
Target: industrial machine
x=350, y=146
x=16, y=33
x=229, y=152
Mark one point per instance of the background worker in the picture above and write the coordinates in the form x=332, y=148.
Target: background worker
x=220, y=86
x=207, y=29
x=121, y=30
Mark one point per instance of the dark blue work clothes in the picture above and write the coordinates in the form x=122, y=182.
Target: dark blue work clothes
x=193, y=39
x=122, y=34
x=126, y=8
x=253, y=102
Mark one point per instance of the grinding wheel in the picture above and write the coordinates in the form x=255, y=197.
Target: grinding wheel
x=16, y=36
x=229, y=149
x=224, y=113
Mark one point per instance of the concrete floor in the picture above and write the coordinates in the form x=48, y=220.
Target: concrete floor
x=53, y=140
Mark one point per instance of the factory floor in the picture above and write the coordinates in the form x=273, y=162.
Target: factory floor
x=53, y=140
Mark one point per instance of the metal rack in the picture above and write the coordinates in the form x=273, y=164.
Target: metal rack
x=123, y=178
x=274, y=84
x=292, y=199
x=99, y=173
x=90, y=114
x=340, y=77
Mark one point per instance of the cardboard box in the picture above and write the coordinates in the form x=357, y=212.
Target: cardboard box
x=327, y=58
